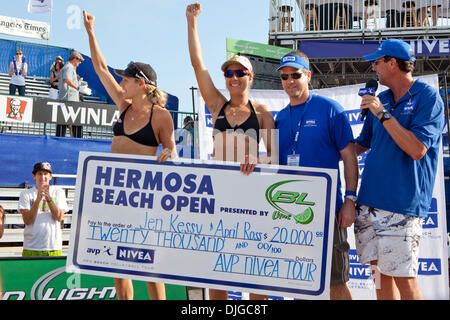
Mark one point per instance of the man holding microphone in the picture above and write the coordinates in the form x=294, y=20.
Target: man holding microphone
x=403, y=131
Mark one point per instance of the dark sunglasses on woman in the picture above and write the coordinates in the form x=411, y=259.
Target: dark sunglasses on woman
x=239, y=73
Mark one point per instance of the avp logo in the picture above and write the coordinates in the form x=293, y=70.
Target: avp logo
x=287, y=203
x=94, y=251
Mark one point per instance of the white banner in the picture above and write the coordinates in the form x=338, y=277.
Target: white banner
x=39, y=6
x=197, y=223
x=433, y=271
x=24, y=28
x=16, y=109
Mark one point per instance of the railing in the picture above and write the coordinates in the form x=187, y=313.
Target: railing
x=300, y=16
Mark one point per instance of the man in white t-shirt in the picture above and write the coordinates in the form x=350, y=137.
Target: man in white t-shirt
x=42, y=209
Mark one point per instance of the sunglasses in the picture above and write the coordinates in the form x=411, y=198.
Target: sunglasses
x=239, y=73
x=138, y=73
x=295, y=75
x=18, y=54
x=374, y=63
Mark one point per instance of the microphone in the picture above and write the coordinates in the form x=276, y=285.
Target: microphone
x=371, y=88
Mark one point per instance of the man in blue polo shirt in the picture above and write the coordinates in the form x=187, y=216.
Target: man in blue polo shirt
x=315, y=132
x=403, y=132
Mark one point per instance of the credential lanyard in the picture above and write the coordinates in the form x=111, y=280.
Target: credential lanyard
x=296, y=135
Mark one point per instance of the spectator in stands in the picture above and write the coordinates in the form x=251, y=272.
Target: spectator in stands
x=2, y=221
x=18, y=69
x=54, y=78
x=188, y=127
x=69, y=91
x=144, y=123
x=42, y=209
x=403, y=131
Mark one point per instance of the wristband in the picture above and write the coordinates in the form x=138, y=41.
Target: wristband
x=350, y=193
x=381, y=112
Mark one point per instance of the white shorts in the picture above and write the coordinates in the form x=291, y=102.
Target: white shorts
x=390, y=238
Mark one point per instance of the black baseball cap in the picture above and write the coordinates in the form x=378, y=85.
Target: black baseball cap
x=42, y=166
x=138, y=70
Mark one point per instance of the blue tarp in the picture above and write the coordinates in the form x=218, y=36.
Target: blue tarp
x=21, y=152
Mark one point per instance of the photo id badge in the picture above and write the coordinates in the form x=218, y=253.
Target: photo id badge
x=293, y=160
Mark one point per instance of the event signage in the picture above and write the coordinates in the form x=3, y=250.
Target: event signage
x=24, y=28
x=39, y=6
x=45, y=278
x=204, y=224
x=75, y=113
x=16, y=109
x=316, y=49
x=235, y=46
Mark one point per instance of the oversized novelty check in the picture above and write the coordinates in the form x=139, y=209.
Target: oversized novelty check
x=204, y=224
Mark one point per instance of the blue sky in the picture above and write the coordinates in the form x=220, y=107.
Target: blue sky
x=153, y=31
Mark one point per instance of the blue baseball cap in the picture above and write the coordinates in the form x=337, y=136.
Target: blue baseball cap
x=394, y=48
x=293, y=60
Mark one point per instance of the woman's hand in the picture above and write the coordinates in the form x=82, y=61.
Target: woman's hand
x=166, y=154
x=193, y=11
x=89, y=20
x=249, y=164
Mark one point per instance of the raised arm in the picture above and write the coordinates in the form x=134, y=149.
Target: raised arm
x=213, y=98
x=100, y=65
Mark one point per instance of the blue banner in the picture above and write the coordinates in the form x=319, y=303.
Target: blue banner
x=356, y=49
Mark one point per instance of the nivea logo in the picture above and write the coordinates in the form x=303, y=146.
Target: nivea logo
x=135, y=255
x=429, y=267
x=354, y=116
x=431, y=221
x=358, y=271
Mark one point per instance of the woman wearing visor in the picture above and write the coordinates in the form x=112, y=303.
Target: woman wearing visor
x=239, y=123
x=144, y=123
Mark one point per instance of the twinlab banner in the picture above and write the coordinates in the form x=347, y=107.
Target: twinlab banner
x=37, y=110
x=433, y=272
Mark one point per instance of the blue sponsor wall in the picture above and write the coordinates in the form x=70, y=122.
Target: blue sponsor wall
x=21, y=152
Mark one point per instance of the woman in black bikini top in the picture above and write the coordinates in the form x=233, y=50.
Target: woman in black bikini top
x=141, y=105
x=234, y=115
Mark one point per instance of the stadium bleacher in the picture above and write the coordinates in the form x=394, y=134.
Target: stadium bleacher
x=38, y=87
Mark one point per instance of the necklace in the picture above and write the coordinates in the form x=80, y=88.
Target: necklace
x=233, y=110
